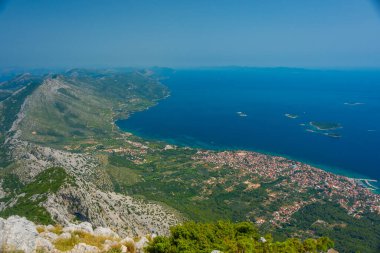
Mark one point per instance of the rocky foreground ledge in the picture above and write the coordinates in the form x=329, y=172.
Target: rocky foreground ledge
x=18, y=234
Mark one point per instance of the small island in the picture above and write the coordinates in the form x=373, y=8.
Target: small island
x=242, y=114
x=333, y=135
x=291, y=116
x=325, y=126
x=353, y=103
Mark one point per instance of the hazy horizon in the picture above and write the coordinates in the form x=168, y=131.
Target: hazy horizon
x=185, y=34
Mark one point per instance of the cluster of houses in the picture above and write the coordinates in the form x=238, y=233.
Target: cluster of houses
x=299, y=177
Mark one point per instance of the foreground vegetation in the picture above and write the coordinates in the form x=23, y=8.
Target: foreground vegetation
x=328, y=219
x=225, y=236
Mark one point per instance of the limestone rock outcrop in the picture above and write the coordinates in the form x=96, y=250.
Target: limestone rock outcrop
x=21, y=235
x=17, y=233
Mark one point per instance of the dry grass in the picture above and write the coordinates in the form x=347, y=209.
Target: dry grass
x=131, y=247
x=82, y=237
x=66, y=244
x=56, y=230
x=41, y=250
x=9, y=249
x=90, y=239
x=40, y=229
x=115, y=249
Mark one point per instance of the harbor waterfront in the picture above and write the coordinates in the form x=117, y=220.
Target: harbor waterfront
x=237, y=108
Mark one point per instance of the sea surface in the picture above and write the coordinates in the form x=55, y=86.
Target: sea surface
x=202, y=111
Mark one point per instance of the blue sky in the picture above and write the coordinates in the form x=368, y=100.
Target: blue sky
x=189, y=33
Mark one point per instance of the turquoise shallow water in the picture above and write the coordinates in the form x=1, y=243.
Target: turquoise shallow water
x=202, y=111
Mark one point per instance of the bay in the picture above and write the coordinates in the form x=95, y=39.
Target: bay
x=202, y=111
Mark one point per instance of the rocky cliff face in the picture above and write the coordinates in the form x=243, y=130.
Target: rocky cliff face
x=19, y=234
x=124, y=214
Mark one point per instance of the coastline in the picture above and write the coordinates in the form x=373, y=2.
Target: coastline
x=196, y=144
x=191, y=142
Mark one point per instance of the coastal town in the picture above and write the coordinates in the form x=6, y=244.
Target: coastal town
x=299, y=178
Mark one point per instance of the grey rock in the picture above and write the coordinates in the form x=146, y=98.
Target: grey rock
x=18, y=233
x=44, y=244
x=124, y=249
x=48, y=235
x=64, y=235
x=100, y=231
x=127, y=240
x=142, y=243
x=2, y=224
x=84, y=248
x=84, y=227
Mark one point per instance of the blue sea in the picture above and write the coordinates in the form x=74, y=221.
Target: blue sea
x=202, y=108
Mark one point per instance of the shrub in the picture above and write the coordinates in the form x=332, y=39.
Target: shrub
x=231, y=237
